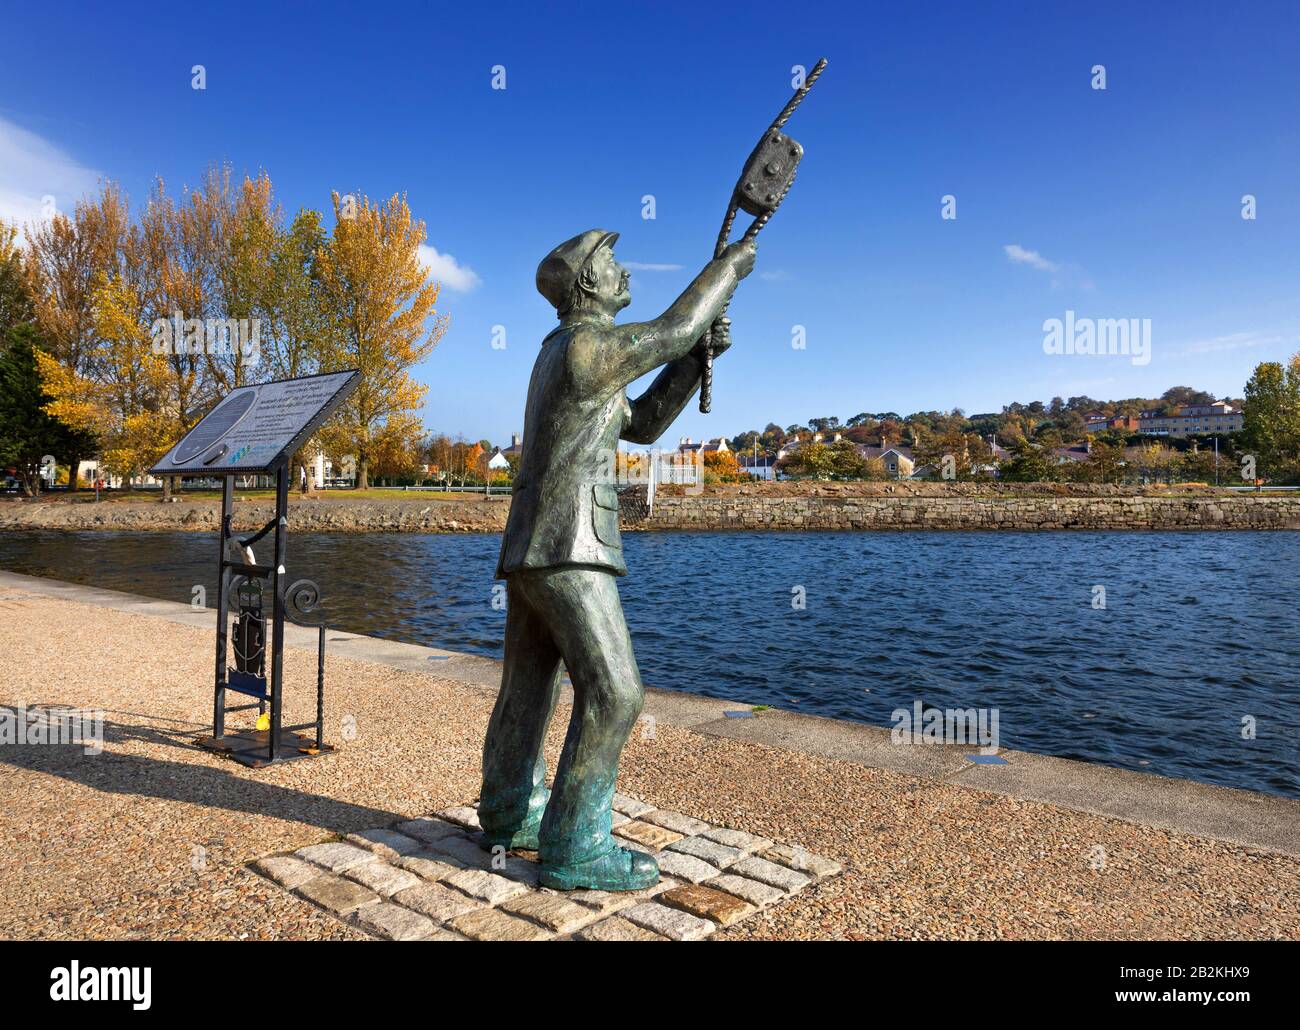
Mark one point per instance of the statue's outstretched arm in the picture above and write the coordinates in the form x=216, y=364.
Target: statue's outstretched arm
x=615, y=355
x=656, y=409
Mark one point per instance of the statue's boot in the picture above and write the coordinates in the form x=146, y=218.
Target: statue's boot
x=523, y=837
x=617, y=870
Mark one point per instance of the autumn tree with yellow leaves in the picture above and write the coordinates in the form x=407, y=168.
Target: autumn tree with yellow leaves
x=380, y=302
x=125, y=397
x=68, y=256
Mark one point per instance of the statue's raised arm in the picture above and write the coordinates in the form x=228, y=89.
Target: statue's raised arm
x=605, y=355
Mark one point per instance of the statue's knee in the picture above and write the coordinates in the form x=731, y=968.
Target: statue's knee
x=628, y=707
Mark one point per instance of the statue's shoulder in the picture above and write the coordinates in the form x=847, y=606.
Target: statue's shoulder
x=580, y=331
x=584, y=345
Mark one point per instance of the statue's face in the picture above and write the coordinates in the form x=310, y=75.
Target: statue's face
x=611, y=280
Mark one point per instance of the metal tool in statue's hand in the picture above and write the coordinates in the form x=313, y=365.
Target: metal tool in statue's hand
x=764, y=182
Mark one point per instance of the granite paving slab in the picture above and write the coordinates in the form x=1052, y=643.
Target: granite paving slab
x=427, y=879
x=647, y=834
x=430, y=866
x=616, y=928
x=385, y=842
x=440, y=903
x=382, y=878
x=336, y=857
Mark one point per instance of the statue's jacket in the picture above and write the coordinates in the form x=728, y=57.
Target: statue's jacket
x=564, y=508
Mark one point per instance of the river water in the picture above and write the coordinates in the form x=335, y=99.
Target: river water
x=1197, y=644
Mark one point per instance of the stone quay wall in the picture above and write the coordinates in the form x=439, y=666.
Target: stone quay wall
x=1002, y=511
x=776, y=506
x=400, y=515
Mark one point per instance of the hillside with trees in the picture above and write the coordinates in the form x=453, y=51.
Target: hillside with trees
x=1051, y=441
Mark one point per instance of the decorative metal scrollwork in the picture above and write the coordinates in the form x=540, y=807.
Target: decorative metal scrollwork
x=302, y=597
x=250, y=627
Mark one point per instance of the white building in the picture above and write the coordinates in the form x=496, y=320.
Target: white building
x=762, y=466
x=90, y=470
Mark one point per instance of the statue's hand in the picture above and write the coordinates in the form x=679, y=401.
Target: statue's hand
x=721, y=338
x=741, y=255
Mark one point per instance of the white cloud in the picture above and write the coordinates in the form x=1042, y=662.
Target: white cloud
x=1022, y=256
x=775, y=275
x=446, y=270
x=32, y=168
x=1233, y=341
x=639, y=266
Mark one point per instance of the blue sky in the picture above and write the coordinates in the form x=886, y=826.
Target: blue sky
x=1123, y=203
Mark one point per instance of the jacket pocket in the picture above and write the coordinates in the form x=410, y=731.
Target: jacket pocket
x=604, y=514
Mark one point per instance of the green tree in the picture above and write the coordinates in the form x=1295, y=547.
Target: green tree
x=946, y=444
x=1181, y=395
x=1105, y=463
x=1155, y=462
x=1030, y=463
x=773, y=437
x=1197, y=466
x=296, y=326
x=1272, y=418
x=847, y=461
x=811, y=460
x=27, y=433
x=15, y=302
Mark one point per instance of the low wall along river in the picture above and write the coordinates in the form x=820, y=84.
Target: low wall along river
x=777, y=506
x=993, y=512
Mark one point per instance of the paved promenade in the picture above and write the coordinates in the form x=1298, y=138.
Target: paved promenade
x=154, y=838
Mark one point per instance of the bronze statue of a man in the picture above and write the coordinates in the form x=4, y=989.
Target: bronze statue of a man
x=561, y=552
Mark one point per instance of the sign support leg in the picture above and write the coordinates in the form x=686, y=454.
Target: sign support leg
x=223, y=586
x=277, y=595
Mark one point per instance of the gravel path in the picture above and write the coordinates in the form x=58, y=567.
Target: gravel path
x=152, y=838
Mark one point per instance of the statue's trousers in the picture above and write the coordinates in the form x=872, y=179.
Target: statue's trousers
x=574, y=613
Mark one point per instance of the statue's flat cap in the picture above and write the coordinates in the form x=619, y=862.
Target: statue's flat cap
x=560, y=268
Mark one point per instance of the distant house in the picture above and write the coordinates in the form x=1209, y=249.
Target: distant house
x=760, y=466
x=500, y=460
x=689, y=448
x=343, y=474
x=91, y=471
x=1190, y=419
x=998, y=454
x=1065, y=455
x=1096, y=422
x=898, y=460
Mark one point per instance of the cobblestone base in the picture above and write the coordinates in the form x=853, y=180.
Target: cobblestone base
x=427, y=879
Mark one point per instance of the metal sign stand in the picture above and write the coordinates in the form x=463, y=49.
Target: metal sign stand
x=276, y=743
x=255, y=430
